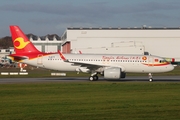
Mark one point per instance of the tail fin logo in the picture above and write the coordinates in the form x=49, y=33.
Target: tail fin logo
x=19, y=43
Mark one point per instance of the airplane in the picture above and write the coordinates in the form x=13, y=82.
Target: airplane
x=111, y=66
x=5, y=62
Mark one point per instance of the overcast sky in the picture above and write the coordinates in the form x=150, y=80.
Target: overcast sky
x=42, y=17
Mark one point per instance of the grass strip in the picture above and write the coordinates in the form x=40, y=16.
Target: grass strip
x=93, y=101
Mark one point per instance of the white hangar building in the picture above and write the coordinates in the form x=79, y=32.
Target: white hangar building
x=163, y=42
x=46, y=44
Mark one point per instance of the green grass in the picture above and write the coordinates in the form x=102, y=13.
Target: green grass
x=90, y=101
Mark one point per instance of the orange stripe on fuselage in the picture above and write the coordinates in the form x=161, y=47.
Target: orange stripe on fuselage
x=157, y=64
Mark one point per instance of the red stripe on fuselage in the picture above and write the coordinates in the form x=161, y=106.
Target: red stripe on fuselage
x=159, y=64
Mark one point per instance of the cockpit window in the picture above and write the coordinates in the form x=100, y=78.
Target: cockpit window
x=162, y=61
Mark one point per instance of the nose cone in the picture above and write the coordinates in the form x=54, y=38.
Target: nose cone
x=170, y=67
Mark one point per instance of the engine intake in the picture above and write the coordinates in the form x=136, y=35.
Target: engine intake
x=114, y=73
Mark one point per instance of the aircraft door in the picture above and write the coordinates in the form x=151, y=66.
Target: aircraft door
x=150, y=61
x=40, y=60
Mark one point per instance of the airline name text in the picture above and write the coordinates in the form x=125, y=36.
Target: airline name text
x=121, y=57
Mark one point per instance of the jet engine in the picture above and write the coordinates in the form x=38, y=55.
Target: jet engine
x=114, y=73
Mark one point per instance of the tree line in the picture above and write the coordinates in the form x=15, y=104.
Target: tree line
x=6, y=42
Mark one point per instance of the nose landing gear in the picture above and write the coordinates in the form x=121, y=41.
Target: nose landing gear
x=150, y=77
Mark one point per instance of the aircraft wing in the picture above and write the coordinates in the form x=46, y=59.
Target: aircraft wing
x=87, y=65
x=90, y=66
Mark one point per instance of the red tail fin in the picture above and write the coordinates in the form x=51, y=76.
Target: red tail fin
x=20, y=41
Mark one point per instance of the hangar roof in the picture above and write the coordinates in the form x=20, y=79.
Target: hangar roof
x=135, y=28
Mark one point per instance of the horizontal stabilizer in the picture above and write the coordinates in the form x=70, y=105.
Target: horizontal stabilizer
x=16, y=57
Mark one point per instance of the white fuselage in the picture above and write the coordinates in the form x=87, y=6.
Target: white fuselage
x=127, y=63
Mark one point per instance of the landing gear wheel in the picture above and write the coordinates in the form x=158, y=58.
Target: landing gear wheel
x=95, y=77
x=150, y=79
x=91, y=78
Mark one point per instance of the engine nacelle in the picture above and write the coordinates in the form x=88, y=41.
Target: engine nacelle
x=112, y=73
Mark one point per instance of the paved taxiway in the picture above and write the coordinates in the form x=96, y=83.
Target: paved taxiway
x=85, y=79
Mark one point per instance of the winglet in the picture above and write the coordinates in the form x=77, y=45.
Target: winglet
x=61, y=55
x=80, y=52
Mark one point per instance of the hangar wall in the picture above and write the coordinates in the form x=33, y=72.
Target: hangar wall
x=163, y=42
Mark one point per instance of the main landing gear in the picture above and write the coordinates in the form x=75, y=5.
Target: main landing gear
x=150, y=77
x=93, y=77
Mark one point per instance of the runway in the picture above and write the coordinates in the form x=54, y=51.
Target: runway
x=85, y=79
